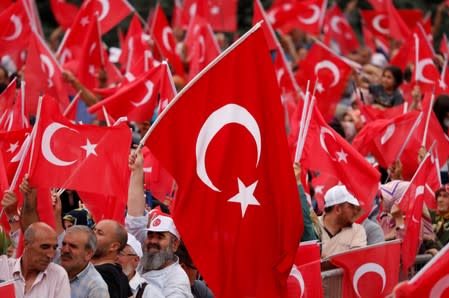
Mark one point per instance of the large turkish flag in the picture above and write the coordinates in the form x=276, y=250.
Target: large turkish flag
x=237, y=206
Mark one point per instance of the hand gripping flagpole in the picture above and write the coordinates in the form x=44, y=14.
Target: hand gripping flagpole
x=196, y=78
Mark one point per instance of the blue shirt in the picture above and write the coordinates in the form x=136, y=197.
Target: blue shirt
x=88, y=283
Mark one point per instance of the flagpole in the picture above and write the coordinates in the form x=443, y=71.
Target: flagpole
x=412, y=130
x=416, y=54
x=303, y=119
x=429, y=264
x=26, y=145
x=196, y=78
x=426, y=127
x=307, y=122
x=71, y=104
x=106, y=116
x=417, y=171
x=34, y=131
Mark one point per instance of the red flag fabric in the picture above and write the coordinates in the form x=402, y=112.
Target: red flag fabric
x=260, y=15
x=412, y=202
x=7, y=289
x=64, y=12
x=425, y=72
x=91, y=59
x=326, y=151
x=305, y=277
x=201, y=45
x=307, y=15
x=14, y=33
x=163, y=37
x=104, y=206
x=339, y=30
x=381, y=137
x=221, y=14
x=70, y=155
x=238, y=119
x=108, y=15
x=43, y=75
x=10, y=144
x=157, y=179
x=135, y=100
x=332, y=73
x=430, y=281
x=397, y=27
x=371, y=271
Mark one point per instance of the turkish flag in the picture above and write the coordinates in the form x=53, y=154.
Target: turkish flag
x=398, y=29
x=221, y=14
x=15, y=118
x=332, y=73
x=260, y=15
x=162, y=34
x=384, y=137
x=64, y=12
x=14, y=32
x=91, y=60
x=337, y=27
x=108, y=15
x=307, y=15
x=412, y=202
x=326, y=151
x=431, y=281
x=371, y=271
x=70, y=155
x=10, y=144
x=7, y=98
x=157, y=179
x=7, y=289
x=202, y=47
x=425, y=71
x=305, y=277
x=135, y=100
x=221, y=214
x=43, y=75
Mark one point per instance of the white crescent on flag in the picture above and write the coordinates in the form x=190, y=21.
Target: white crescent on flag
x=312, y=19
x=365, y=268
x=45, y=145
x=376, y=24
x=17, y=28
x=230, y=113
x=332, y=67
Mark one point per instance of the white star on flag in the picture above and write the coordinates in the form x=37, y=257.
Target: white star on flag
x=84, y=21
x=319, y=189
x=13, y=147
x=341, y=155
x=245, y=196
x=90, y=148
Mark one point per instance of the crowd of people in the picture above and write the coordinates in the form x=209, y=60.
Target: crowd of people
x=146, y=257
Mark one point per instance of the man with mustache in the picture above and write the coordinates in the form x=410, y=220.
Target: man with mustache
x=160, y=265
x=34, y=274
x=77, y=249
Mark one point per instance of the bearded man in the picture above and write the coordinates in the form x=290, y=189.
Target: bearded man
x=160, y=238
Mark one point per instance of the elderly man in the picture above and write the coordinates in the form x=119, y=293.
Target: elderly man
x=129, y=259
x=338, y=230
x=160, y=265
x=34, y=274
x=77, y=249
x=111, y=239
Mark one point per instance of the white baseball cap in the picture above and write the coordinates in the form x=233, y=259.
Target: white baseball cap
x=337, y=195
x=135, y=245
x=163, y=223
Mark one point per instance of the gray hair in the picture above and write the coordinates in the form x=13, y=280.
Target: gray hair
x=91, y=238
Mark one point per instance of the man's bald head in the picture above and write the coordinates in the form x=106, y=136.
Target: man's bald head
x=38, y=229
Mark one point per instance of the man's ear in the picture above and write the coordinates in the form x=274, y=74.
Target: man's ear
x=115, y=246
x=176, y=243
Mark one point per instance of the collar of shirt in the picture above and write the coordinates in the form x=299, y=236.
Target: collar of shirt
x=82, y=273
x=17, y=272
